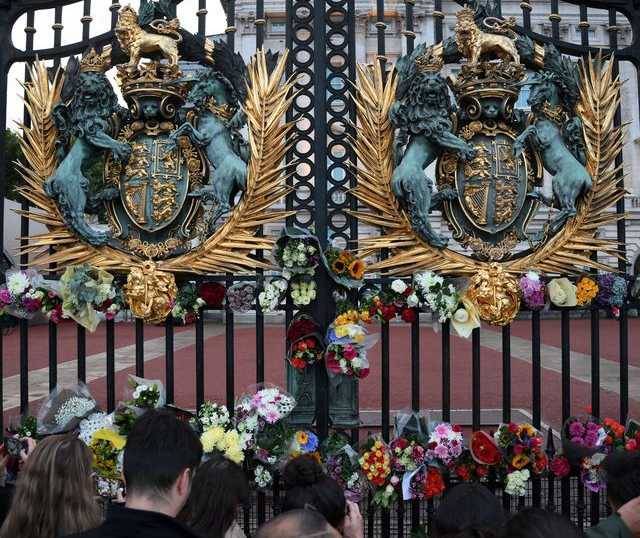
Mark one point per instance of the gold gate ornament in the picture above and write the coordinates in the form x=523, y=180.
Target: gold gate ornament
x=495, y=293
x=150, y=293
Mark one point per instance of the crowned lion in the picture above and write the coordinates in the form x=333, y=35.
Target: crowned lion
x=474, y=43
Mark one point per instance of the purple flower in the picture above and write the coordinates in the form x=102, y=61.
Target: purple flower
x=5, y=296
x=532, y=289
x=576, y=429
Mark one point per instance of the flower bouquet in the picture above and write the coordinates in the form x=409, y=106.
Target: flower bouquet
x=467, y=469
x=297, y=252
x=345, y=268
x=615, y=439
x=260, y=417
x=85, y=292
x=612, y=292
x=272, y=293
x=523, y=445
x=107, y=447
x=188, y=304
x=586, y=291
x=213, y=294
x=64, y=408
x=347, y=345
x=484, y=449
x=240, y=296
x=144, y=393
x=341, y=464
x=562, y=292
x=582, y=437
x=303, y=291
x=632, y=436
x=445, y=444
x=375, y=462
x=532, y=289
x=426, y=482
x=209, y=415
x=304, y=343
x=304, y=442
x=440, y=297
x=591, y=474
x=24, y=295
x=224, y=440
x=398, y=300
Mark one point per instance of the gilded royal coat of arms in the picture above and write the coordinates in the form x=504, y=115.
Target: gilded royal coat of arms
x=179, y=188
x=475, y=145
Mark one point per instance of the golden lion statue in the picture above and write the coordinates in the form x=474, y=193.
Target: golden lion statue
x=473, y=43
x=137, y=41
x=150, y=293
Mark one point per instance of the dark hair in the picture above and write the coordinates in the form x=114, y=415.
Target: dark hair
x=306, y=485
x=159, y=448
x=468, y=510
x=538, y=523
x=218, y=488
x=295, y=524
x=622, y=472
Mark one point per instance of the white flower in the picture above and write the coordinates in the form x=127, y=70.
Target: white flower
x=90, y=425
x=398, y=286
x=412, y=300
x=532, y=275
x=17, y=283
x=517, y=483
x=461, y=315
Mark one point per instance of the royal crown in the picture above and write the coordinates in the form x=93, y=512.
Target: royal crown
x=97, y=62
x=430, y=60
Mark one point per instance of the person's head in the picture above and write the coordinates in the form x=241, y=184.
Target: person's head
x=622, y=473
x=468, y=510
x=218, y=488
x=55, y=493
x=160, y=459
x=303, y=523
x=306, y=484
x=538, y=523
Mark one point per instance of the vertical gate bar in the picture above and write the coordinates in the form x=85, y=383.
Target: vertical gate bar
x=53, y=355
x=475, y=379
x=57, y=33
x=111, y=365
x=114, y=8
x=86, y=20
x=536, y=370
x=200, y=360
x=555, y=19
x=202, y=17
x=384, y=345
x=260, y=24
x=381, y=27
x=259, y=343
x=446, y=371
x=231, y=22
x=168, y=361
x=565, y=327
x=81, y=342
x=536, y=388
x=409, y=33
x=139, y=328
x=526, y=15
x=595, y=361
x=438, y=17
x=622, y=239
x=321, y=309
x=230, y=355
x=415, y=400
x=506, y=373
x=24, y=232
x=565, y=336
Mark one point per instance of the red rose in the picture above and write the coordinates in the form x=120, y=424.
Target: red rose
x=434, y=484
x=456, y=428
x=409, y=315
x=463, y=472
x=190, y=317
x=560, y=466
x=311, y=343
x=536, y=442
x=364, y=372
x=518, y=449
x=301, y=328
x=212, y=293
x=631, y=445
x=513, y=428
x=482, y=471
x=332, y=364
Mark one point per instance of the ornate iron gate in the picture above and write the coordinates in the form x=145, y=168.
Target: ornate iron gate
x=322, y=39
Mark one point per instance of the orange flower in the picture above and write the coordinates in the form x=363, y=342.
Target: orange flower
x=338, y=266
x=520, y=461
x=356, y=269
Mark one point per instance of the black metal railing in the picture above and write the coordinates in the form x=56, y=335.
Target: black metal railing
x=315, y=32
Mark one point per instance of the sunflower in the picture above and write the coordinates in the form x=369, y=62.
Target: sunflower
x=345, y=257
x=338, y=266
x=520, y=461
x=302, y=437
x=356, y=269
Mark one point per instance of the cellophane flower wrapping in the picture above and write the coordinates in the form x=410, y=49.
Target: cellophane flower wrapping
x=304, y=343
x=260, y=419
x=240, y=296
x=533, y=291
x=64, y=408
x=188, y=305
x=522, y=447
x=26, y=294
x=272, y=293
x=341, y=464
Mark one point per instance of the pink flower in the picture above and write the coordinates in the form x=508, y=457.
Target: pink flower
x=349, y=352
x=272, y=417
x=5, y=296
x=442, y=430
x=576, y=429
x=395, y=480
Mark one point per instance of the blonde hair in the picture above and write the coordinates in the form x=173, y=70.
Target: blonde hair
x=54, y=493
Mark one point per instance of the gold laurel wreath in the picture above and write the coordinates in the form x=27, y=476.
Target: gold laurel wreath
x=231, y=248
x=564, y=253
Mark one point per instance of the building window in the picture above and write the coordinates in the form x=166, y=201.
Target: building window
x=277, y=27
x=523, y=99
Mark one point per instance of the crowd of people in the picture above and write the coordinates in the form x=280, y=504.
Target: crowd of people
x=171, y=493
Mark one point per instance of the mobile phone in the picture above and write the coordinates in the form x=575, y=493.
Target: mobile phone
x=14, y=446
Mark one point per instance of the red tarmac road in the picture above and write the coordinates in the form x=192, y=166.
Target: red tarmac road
x=370, y=392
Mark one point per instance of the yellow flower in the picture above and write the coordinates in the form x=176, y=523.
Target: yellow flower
x=235, y=455
x=357, y=269
x=302, y=438
x=520, y=461
x=117, y=440
x=528, y=429
x=586, y=291
x=212, y=438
